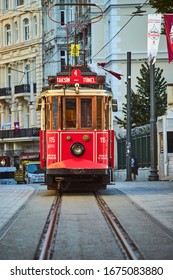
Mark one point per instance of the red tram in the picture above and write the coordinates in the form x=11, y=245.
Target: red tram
x=77, y=137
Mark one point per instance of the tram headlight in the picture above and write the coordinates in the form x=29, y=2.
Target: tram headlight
x=77, y=149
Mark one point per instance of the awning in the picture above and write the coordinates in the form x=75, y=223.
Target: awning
x=29, y=156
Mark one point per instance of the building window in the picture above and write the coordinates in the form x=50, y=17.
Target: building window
x=19, y=2
x=6, y=4
x=15, y=32
x=9, y=77
x=62, y=17
x=34, y=26
x=27, y=69
x=63, y=60
x=26, y=29
x=62, y=12
x=8, y=34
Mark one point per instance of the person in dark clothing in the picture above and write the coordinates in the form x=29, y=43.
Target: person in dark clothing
x=134, y=167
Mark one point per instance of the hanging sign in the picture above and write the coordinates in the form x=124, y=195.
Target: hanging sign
x=74, y=49
x=76, y=78
x=154, y=30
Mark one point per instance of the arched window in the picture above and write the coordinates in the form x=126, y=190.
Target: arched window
x=8, y=34
x=34, y=26
x=16, y=34
x=26, y=29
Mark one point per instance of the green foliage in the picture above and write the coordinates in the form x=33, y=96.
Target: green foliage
x=140, y=101
x=162, y=6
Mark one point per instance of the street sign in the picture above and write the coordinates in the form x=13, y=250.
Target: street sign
x=75, y=48
x=76, y=78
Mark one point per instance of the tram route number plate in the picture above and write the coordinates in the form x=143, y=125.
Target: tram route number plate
x=76, y=78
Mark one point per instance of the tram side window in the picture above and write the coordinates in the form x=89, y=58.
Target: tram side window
x=99, y=112
x=55, y=112
x=48, y=116
x=70, y=112
x=107, y=115
x=86, y=112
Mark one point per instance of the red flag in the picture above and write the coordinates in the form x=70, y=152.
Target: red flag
x=16, y=128
x=168, y=18
x=102, y=64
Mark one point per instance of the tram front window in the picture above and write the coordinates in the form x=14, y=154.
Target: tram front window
x=70, y=112
x=86, y=112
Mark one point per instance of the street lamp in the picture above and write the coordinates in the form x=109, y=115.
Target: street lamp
x=153, y=132
x=128, y=142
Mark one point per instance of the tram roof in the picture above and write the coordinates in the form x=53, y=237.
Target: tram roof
x=71, y=91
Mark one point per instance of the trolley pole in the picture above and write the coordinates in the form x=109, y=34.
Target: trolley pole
x=153, y=131
x=128, y=142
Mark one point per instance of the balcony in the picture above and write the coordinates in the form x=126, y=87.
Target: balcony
x=5, y=95
x=23, y=132
x=24, y=90
x=5, y=91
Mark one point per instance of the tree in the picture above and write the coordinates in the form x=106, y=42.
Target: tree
x=162, y=6
x=140, y=101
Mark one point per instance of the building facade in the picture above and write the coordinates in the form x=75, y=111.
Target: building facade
x=36, y=43
x=20, y=78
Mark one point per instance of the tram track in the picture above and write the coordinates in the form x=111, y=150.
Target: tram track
x=127, y=243
x=45, y=249
x=80, y=226
x=45, y=246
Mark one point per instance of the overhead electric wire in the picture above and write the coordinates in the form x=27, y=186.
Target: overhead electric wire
x=119, y=30
x=47, y=61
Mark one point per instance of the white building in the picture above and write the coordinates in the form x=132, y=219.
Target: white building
x=123, y=32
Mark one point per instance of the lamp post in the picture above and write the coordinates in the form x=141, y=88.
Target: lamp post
x=153, y=176
x=128, y=142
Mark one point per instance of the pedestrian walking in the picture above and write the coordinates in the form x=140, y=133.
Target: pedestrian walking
x=134, y=167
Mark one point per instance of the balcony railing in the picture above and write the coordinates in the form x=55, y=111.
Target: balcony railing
x=5, y=91
x=23, y=132
x=22, y=88
x=25, y=88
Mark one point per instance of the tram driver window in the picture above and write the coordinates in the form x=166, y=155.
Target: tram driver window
x=86, y=112
x=70, y=112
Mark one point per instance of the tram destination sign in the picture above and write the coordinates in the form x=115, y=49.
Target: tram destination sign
x=76, y=78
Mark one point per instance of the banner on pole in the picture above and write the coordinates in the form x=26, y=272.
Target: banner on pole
x=168, y=19
x=154, y=30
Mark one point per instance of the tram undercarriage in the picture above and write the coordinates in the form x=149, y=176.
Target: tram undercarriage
x=77, y=179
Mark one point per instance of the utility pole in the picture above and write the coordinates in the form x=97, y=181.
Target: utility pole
x=128, y=142
x=153, y=131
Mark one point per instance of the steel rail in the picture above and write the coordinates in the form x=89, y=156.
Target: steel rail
x=126, y=242
x=48, y=239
